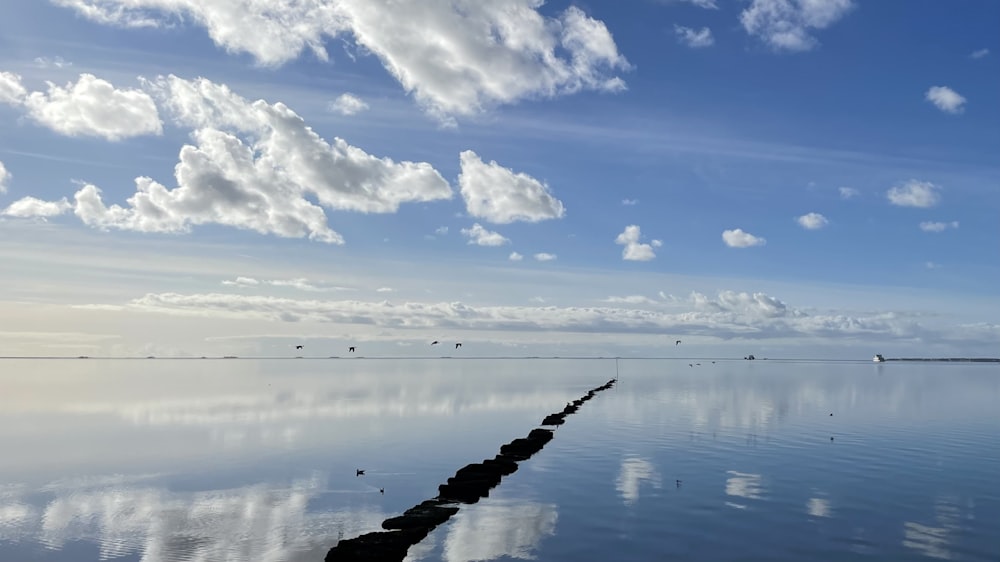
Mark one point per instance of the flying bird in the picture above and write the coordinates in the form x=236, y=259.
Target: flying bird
x=678, y=342
x=458, y=345
x=351, y=349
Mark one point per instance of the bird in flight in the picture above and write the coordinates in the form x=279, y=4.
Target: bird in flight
x=678, y=342
x=435, y=342
x=351, y=349
x=458, y=345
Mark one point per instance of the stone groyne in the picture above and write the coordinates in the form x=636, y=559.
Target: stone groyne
x=467, y=486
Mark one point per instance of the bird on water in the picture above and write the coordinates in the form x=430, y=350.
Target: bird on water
x=298, y=347
x=360, y=472
x=351, y=349
x=435, y=342
x=458, y=345
x=678, y=342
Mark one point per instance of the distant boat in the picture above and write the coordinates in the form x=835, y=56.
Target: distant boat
x=878, y=358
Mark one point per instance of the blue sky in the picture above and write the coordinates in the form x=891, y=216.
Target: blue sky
x=778, y=177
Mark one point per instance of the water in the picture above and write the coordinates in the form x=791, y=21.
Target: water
x=231, y=460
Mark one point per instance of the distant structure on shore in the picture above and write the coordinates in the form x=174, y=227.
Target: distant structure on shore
x=750, y=357
x=878, y=358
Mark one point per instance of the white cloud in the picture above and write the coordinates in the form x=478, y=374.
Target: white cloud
x=694, y=38
x=28, y=207
x=261, y=181
x=739, y=239
x=786, y=24
x=456, y=58
x=4, y=178
x=946, y=99
x=91, y=107
x=482, y=237
x=707, y=4
x=500, y=195
x=812, y=221
x=441, y=230
x=514, y=256
x=52, y=62
x=728, y=315
x=385, y=290
x=914, y=193
x=630, y=202
x=848, y=192
x=635, y=250
x=348, y=104
x=543, y=256
x=630, y=299
x=980, y=53
x=937, y=226
x=242, y=282
x=932, y=265
x=11, y=90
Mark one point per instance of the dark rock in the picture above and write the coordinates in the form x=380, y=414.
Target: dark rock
x=380, y=546
x=428, y=514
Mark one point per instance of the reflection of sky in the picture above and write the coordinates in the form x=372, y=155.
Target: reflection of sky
x=818, y=507
x=635, y=471
x=498, y=529
x=258, y=522
x=743, y=485
x=935, y=540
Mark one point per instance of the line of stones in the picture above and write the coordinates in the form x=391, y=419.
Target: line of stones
x=470, y=483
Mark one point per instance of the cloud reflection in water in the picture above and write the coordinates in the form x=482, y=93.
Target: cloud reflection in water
x=499, y=529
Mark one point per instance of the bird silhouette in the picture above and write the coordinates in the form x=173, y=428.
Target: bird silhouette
x=351, y=349
x=458, y=345
x=678, y=342
x=678, y=483
x=298, y=347
x=360, y=472
x=435, y=342
x=381, y=491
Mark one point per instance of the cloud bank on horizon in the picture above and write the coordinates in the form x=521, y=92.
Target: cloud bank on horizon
x=345, y=123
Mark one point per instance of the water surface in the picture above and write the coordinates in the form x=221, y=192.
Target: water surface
x=169, y=460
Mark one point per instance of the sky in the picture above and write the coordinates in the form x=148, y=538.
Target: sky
x=788, y=178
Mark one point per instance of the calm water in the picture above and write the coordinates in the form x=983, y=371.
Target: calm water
x=231, y=460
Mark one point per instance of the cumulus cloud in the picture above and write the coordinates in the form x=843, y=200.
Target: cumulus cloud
x=501, y=196
x=630, y=202
x=11, y=90
x=481, y=237
x=737, y=238
x=348, y=104
x=635, y=250
x=514, y=256
x=441, y=230
x=543, y=256
x=812, y=221
x=258, y=166
x=787, y=24
x=90, y=107
x=694, y=38
x=4, y=178
x=455, y=58
x=937, y=226
x=29, y=207
x=980, y=53
x=848, y=192
x=634, y=472
x=945, y=99
x=914, y=193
